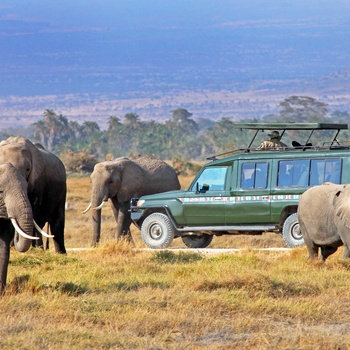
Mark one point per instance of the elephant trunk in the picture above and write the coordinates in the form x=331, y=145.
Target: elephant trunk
x=21, y=211
x=96, y=218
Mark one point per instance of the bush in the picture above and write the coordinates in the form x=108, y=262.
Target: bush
x=80, y=162
x=185, y=167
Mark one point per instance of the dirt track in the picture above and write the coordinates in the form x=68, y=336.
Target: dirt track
x=204, y=251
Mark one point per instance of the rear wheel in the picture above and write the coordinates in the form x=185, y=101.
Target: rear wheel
x=291, y=231
x=157, y=231
x=194, y=241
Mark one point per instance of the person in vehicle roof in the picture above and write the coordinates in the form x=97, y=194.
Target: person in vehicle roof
x=274, y=142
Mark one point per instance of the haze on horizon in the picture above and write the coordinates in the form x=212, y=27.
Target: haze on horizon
x=131, y=46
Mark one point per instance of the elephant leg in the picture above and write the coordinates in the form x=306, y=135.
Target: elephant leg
x=56, y=224
x=326, y=251
x=115, y=208
x=58, y=239
x=346, y=252
x=6, y=236
x=38, y=243
x=123, y=225
x=312, y=249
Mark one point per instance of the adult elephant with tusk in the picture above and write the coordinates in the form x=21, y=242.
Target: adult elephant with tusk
x=46, y=181
x=121, y=179
x=15, y=210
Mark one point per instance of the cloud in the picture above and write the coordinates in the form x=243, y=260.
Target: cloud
x=13, y=25
x=277, y=23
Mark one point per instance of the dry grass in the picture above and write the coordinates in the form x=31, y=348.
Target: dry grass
x=79, y=230
x=115, y=297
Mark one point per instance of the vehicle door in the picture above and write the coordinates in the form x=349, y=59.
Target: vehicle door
x=204, y=202
x=250, y=193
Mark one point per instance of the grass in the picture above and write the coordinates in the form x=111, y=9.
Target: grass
x=116, y=297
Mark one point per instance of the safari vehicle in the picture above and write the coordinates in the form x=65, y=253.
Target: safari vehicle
x=249, y=191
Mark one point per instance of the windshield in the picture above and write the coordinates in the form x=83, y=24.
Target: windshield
x=213, y=178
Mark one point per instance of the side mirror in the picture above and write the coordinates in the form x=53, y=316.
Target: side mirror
x=204, y=188
x=133, y=202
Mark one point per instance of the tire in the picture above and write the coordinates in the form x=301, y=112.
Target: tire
x=157, y=231
x=291, y=231
x=194, y=241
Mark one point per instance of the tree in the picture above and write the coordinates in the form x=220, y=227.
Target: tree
x=114, y=124
x=41, y=131
x=182, y=122
x=183, y=132
x=118, y=140
x=52, y=130
x=131, y=120
x=221, y=135
x=303, y=109
x=89, y=128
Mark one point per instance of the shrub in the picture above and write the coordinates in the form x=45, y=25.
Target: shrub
x=185, y=167
x=79, y=162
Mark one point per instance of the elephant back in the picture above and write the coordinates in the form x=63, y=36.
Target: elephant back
x=158, y=174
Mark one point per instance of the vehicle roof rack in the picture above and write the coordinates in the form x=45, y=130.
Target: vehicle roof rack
x=291, y=126
x=285, y=126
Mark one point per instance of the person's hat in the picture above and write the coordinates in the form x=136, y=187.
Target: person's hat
x=275, y=135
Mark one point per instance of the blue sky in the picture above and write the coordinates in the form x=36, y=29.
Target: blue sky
x=82, y=45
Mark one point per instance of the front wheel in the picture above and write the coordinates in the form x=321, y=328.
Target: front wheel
x=157, y=231
x=291, y=231
x=193, y=241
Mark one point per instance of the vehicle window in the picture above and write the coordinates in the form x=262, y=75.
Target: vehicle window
x=293, y=173
x=285, y=173
x=301, y=171
x=306, y=172
x=213, y=178
x=332, y=171
x=325, y=170
x=254, y=175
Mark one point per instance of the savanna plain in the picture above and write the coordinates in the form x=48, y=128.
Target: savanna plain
x=120, y=296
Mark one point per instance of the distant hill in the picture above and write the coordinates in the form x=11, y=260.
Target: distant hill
x=254, y=99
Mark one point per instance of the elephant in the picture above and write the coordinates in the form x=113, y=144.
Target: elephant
x=121, y=179
x=46, y=179
x=15, y=213
x=324, y=219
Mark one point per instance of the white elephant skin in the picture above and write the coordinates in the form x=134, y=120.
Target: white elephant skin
x=324, y=218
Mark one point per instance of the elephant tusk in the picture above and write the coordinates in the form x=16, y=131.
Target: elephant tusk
x=41, y=231
x=20, y=231
x=87, y=209
x=100, y=206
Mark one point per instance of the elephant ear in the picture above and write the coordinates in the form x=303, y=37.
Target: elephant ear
x=132, y=176
x=37, y=166
x=341, y=204
x=32, y=165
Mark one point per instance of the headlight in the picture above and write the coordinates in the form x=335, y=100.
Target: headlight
x=140, y=203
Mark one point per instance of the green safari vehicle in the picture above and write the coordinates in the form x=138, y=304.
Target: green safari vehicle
x=246, y=191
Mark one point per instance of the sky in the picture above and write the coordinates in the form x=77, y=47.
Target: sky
x=87, y=46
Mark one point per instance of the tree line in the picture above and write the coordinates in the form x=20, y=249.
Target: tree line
x=180, y=136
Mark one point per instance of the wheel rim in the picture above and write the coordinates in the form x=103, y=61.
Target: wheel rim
x=156, y=231
x=295, y=232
